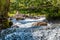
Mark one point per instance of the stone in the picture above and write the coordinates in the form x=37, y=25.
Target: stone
x=39, y=24
x=19, y=18
x=15, y=26
x=10, y=23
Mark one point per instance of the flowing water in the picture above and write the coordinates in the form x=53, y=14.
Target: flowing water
x=23, y=30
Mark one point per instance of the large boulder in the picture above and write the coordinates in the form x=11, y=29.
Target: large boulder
x=39, y=24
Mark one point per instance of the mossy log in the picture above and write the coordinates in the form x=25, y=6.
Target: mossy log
x=4, y=8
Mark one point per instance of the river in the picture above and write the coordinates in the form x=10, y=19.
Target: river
x=25, y=31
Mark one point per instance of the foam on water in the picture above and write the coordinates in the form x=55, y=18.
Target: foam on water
x=38, y=33
x=27, y=22
x=27, y=25
x=25, y=31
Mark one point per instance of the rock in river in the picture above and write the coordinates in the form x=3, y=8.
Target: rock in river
x=19, y=16
x=39, y=24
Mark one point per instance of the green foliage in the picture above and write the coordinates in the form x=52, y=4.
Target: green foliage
x=35, y=5
x=53, y=16
x=49, y=7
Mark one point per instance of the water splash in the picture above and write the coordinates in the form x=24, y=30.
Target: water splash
x=27, y=22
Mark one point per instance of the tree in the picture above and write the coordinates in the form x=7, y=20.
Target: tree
x=4, y=8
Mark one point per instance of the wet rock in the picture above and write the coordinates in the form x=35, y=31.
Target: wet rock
x=40, y=24
x=20, y=18
x=15, y=26
x=45, y=20
x=10, y=23
x=11, y=18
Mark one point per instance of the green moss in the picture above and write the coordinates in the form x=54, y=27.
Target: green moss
x=4, y=14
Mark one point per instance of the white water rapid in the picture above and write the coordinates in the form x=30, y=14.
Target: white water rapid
x=25, y=31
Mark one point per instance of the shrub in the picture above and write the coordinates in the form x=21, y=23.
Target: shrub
x=53, y=16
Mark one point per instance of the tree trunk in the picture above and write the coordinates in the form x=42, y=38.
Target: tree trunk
x=4, y=8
